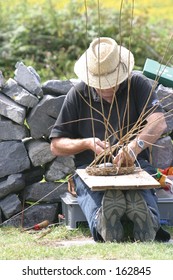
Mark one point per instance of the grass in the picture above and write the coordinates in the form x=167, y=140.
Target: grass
x=32, y=245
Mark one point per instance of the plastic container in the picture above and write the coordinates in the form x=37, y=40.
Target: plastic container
x=71, y=210
x=165, y=206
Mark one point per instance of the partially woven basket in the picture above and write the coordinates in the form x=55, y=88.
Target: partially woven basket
x=113, y=170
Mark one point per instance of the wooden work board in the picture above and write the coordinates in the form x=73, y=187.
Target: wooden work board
x=140, y=179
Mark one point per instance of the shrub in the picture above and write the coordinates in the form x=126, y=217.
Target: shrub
x=51, y=40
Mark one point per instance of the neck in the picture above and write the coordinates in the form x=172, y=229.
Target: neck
x=107, y=94
x=108, y=99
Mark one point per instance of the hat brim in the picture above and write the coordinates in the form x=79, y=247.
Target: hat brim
x=109, y=80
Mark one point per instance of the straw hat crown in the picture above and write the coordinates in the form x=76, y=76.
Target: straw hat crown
x=103, y=56
x=104, y=64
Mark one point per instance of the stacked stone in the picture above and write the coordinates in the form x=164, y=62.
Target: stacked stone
x=29, y=173
x=162, y=151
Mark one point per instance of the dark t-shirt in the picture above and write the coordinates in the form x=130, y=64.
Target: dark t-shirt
x=84, y=115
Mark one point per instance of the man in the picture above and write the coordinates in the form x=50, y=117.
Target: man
x=108, y=102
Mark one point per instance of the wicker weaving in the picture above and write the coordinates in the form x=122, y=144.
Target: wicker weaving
x=112, y=169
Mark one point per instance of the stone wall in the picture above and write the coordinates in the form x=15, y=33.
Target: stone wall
x=162, y=151
x=30, y=176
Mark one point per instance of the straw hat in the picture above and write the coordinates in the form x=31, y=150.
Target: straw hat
x=104, y=64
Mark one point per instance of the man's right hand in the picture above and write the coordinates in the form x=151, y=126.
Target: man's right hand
x=96, y=145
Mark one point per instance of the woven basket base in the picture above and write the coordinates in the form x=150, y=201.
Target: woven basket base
x=109, y=170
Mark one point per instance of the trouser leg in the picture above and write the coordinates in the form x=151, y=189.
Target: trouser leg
x=90, y=203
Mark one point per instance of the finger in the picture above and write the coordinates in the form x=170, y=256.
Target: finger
x=106, y=144
x=120, y=161
x=102, y=144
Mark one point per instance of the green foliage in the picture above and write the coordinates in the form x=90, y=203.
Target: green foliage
x=51, y=40
x=146, y=39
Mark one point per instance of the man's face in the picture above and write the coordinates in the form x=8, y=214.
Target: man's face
x=107, y=93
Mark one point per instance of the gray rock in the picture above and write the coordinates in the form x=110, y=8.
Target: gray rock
x=59, y=168
x=33, y=175
x=28, y=78
x=11, y=130
x=162, y=153
x=169, y=121
x=19, y=94
x=13, y=158
x=44, y=192
x=56, y=87
x=165, y=95
x=34, y=214
x=33, y=71
x=43, y=116
x=2, y=80
x=0, y=217
x=11, y=109
x=39, y=151
x=12, y=184
x=10, y=205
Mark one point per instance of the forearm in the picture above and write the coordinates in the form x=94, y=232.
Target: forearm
x=67, y=146
x=154, y=128
x=152, y=131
